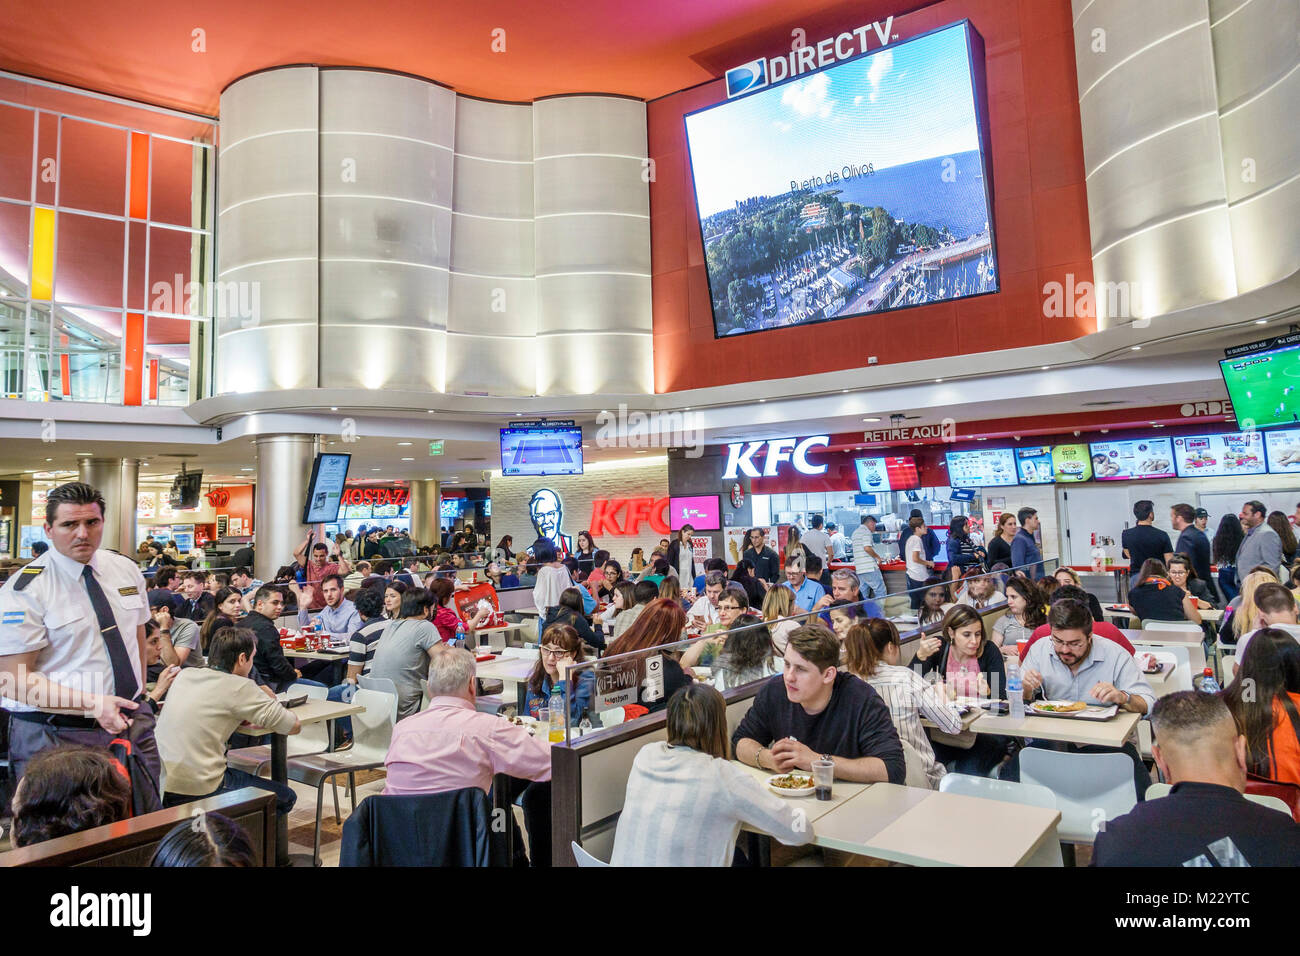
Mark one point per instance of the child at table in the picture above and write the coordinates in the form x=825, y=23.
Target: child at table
x=967, y=664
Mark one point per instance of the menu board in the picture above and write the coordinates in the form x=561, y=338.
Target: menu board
x=1283, y=448
x=983, y=468
x=1132, y=458
x=325, y=489
x=1034, y=465
x=1071, y=463
x=1239, y=453
x=887, y=474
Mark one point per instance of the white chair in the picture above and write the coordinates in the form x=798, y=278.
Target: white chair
x=583, y=858
x=384, y=685
x=372, y=732
x=1085, y=785
x=313, y=739
x=1008, y=791
x=915, y=768
x=1157, y=790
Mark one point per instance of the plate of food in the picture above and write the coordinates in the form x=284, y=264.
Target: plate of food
x=791, y=784
x=1076, y=709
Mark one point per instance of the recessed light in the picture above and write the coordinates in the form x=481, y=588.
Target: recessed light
x=84, y=454
x=431, y=411
x=49, y=459
x=871, y=419
x=762, y=399
x=938, y=380
x=1261, y=321
x=1046, y=367
x=246, y=469
x=334, y=408
x=408, y=459
x=376, y=469
x=404, y=443
x=519, y=414
x=1157, y=425
x=641, y=452
x=1135, y=348
x=843, y=390
x=981, y=439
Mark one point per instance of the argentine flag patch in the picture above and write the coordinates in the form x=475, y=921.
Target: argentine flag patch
x=14, y=617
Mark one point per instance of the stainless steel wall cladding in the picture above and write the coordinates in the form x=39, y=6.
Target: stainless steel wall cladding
x=400, y=236
x=1193, y=163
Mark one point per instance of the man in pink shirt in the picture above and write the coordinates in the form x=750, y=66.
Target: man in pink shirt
x=450, y=745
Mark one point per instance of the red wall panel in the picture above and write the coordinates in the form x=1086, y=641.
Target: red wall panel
x=1040, y=212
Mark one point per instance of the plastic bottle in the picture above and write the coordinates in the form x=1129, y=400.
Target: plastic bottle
x=460, y=634
x=557, y=704
x=1208, y=684
x=1015, y=691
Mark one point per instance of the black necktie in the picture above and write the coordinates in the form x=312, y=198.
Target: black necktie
x=124, y=679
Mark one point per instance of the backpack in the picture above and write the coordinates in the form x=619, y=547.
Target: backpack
x=135, y=753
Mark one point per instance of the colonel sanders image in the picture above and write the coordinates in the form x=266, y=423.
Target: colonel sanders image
x=548, y=514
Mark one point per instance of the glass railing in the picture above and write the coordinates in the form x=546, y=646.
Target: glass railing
x=606, y=692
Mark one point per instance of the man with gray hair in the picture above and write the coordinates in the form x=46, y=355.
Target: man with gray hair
x=1205, y=820
x=845, y=586
x=450, y=746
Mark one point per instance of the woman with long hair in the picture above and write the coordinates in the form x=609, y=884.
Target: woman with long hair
x=979, y=590
x=601, y=575
x=671, y=588
x=569, y=611
x=934, y=602
x=1000, y=545
x=746, y=655
x=793, y=545
x=662, y=622
x=686, y=800
x=1243, y=616
x=1183, y=574
x=1155, y=598
x=227, y=609
x=1279, y=523
x=584, y=549
x=622, y=598
x=503, y=554
x=636, y=564
x=561, y=648
x=778, y=604
x=744, y=576
x=1227, y=541
x=393, y=592
x=733, y=612
x=1026, y=611
x=873, y=653
x=1265, y=700
x=962, y=550
x=968, y=664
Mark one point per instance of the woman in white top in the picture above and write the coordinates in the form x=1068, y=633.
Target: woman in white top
x=778, y=604
x=553, y=578
x=686, y=800
x=873, y=653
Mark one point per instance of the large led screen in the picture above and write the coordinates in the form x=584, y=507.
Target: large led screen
x=1263, y=381
x=860, y=188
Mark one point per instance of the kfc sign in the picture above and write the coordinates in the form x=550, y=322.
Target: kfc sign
x=740, y=456
x=376, y=496
x=606, y=512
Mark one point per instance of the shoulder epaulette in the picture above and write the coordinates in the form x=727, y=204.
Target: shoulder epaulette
x=26, y=576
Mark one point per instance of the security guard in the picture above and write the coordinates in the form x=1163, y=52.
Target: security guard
x=71, y=634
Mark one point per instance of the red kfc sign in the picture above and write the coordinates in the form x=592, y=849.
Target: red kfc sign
x=606, y=512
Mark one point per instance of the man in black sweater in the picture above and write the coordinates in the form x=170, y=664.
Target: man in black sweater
x=812, y=709
x=1205, y=820
x=269, y=663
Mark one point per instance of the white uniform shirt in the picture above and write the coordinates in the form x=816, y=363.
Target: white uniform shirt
x=863, y=539
x=818, y=542
x=53, y=616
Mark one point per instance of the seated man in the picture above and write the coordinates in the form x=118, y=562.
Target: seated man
x=801, y=578
x=1205, y=820
x=1073, y=665
x=205, y=705
x=1275, y=607
x=67, y=789
x=449, y=746
x=845, y=586
x=813, y=709
x=273, y=668
x=705, y=609
x=196, y=602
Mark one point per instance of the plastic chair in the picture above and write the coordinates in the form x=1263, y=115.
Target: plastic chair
x=372, y=731
x=583, y=858
x=1157, y=790
x=1083, y=784
x=384, y=685
x=313, y=739
x=1008, y=791
x=1184, y=627
x=1288, y=793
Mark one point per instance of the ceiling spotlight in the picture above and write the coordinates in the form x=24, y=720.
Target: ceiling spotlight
x=376, y=469
x=404, y=443
x=408, y=459
x=334, y=408
x=871, y=419
x=1046, y=367
x=1135, y=348
x=246, y=469
x=49, y=459
x=1261, y=321
x=938, y=380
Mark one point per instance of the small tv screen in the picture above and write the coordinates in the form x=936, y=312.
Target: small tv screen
x=862, y=187
x=1263, y=381
x=1034, y=465
x=329, y=473
x=541, y=451
x=701, y=512
x=897, y=473
x=184, y=494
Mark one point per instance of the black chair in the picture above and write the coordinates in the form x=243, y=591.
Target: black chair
x=436, y=829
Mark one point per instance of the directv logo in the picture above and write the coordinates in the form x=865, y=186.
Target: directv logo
x=745, y=79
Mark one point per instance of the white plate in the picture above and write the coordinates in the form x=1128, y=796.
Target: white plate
x=779, y=791
x=1091, y=712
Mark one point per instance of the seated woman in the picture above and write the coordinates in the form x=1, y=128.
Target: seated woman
x=402, y=654
x=1183, y=575
x=686, y=800
x=979, y=590
x=968, y=664
x=569, y=611
x=611, y=575
x=1265, y=701
x=754, y=587
x=67, y=789
x=934, y=602
x=747, y=655
x=778, y=603
x=671, y=588
x=658, y=571
x=593, y=577
x=1155, y=598
x=873, y=653
x=843, y=615
x=660, y=622
x=1068, y=577
x=622, y=598
x=1025, y=612
x=206, y=840
x=733, y=611
x=393, y=592
x=445, y=618
x=561, y=649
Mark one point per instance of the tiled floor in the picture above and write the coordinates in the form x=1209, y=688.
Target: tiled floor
x=302, y=821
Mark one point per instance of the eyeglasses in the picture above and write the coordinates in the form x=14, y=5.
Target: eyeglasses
x=1072, y=645
x=728, y=607
x=555, y=651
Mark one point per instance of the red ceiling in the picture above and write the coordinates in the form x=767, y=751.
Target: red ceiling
x=144, y=50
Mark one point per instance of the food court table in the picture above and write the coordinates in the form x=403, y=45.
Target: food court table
x=1071, y=730
x=318, y=655
x=1136, y=636
x=1113, y=611
x=311, y=712
x=922, y=827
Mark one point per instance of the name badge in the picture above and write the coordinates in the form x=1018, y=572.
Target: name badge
x=125, y=592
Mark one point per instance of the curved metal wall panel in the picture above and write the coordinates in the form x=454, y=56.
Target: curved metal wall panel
x=492, y=324
x=385, y=209
x=593, y=246
x=1254, y=46
x=268, y=231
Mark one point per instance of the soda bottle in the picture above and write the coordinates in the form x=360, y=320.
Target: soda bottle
x=1208, y=684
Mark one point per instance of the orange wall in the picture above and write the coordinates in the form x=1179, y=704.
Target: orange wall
x=1040, y=220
